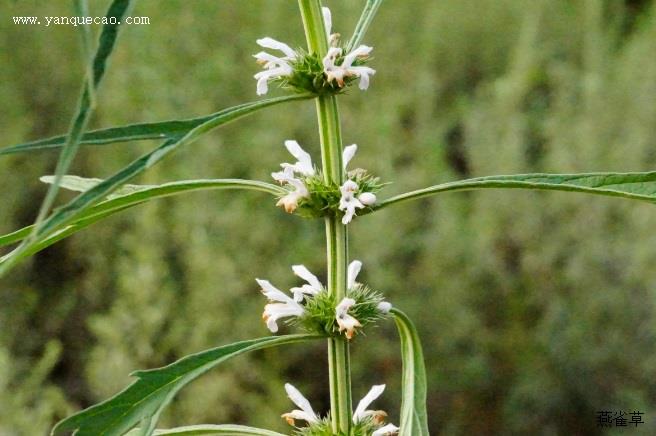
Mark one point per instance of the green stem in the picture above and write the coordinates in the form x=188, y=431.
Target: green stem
x=336, y=234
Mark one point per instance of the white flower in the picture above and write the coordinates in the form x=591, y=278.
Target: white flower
x=271, y=43
x=303, y=166
x=283, y=176
x=389, y=429
x=290, y=201
x=352, y=273
x=306, y=413
x=344, y=320
x=328, y=24
x=348, y=153
x=361, y=412
x=274, y=67
x=312, y=287
x=348, y=203
x=327, y=21
x=285, y=306
x=340, y=72
x=367, y=198
x=378, y=416
x=384, y=307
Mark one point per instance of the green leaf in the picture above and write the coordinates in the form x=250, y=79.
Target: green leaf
x=210, y=430
x=75, y=209
x=15, y=236
x=81, y=184
x=636, y=186
x=117, y=10
x=126, y=197
x=413, y=403
x=133, y=132
x=144, y=399
x=82, y=10
x=367, y=16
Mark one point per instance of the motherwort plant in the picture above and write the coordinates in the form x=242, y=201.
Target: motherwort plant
x=337, y=311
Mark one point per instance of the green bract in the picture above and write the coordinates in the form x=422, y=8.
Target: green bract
x=308, y=75
x=319, y=314
x=324, y=197
x=364, y=427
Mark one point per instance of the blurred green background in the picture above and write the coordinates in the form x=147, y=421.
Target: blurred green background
x=536, y=310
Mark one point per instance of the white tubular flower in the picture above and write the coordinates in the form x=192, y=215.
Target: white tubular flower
x=290, y=201
x=271, y=43
x=306, y=413
x=328, y=23
x=340, y=72
x=285, y=306
x=387, y=430
x=283, y=176
x=348, y=154
x=274, y=67
x=361, y=412
x=312, y=287
x=352, y=273
x=344, y=320
x=332, y=71
x=263, y=77
x=348, y=203
x=304, y=164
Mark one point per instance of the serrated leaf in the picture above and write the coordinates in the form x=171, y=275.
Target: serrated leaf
x=211, y=430
x=154, y=389
x=635, y=186
x=413, y=420
x=75, y=209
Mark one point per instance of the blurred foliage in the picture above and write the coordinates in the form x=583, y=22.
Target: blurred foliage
x=536, y=309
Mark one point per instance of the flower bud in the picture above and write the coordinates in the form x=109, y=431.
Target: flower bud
x=367, y=198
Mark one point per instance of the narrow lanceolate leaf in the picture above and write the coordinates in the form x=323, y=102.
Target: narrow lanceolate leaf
x=170, y=129
x=109, y=185
x=154, y=389
x=145, y=192
x=211, y=430
x=635, y=186
x=126, y=197
x=413, y=403
x=82, y=10
x=117, y=10
x=368, y=14
x=76, y=208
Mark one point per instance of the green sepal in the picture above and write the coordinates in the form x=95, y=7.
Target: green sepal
x=319, y=316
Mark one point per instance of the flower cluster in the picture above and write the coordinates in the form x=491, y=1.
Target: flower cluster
x=314, y=308
x=366, y=422
x=308, y=192
x=306, y=72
